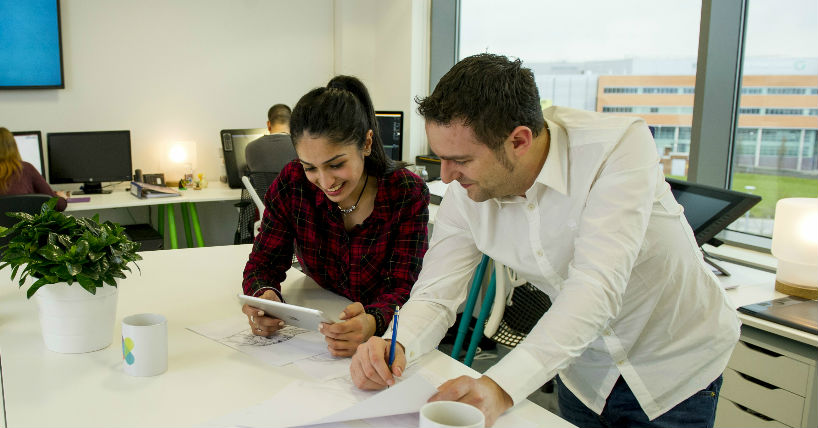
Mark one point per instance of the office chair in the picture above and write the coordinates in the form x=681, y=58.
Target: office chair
x=511, y=306
x=31, y=204
x=255, y=186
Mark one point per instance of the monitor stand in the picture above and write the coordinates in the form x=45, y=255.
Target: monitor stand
x=709, y=259
x=91, y=189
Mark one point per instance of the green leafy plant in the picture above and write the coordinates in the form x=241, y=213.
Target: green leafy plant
x=53, y=248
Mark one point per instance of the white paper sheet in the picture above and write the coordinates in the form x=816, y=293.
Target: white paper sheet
x=286, y=346
x=324, y=366
x=301, y=403
x=406, y=396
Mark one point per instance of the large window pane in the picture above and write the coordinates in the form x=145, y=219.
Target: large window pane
x=629, y=57
x=775, y=153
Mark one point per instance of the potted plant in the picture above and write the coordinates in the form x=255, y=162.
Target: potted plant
x=71, y=265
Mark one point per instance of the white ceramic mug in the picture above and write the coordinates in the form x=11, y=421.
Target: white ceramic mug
x=144, y=344
x=441, y=414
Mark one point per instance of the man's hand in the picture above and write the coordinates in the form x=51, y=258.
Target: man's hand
x=482, y=393
x=260, y=324
x=355, y=328
x=368, y=367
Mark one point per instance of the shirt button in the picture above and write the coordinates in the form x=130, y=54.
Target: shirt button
x=620, y=362
x=608, y=332
x=539, y=253
x=531, y=207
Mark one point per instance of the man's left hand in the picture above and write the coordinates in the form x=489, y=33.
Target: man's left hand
x=356, y=327
x=482, y=393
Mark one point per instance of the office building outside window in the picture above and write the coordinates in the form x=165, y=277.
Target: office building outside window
x=775, y=153
x=626, y=58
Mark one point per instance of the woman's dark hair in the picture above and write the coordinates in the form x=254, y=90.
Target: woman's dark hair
x=491, y=94
x=342, y=113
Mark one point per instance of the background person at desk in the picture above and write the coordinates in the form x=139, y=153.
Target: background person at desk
x=575, y=202
x=18, y=177
x=270, y=153
x=357, y=218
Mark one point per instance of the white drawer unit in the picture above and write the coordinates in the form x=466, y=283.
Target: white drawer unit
x=770, y=381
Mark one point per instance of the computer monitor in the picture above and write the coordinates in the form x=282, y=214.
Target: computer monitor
x=710, y=209
x=89, y=158
x=234, y=141
x=30, y=145
x=390, y=126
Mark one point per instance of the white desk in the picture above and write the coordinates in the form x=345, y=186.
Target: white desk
x=204, y=380
x=771, y=378
x=120, y=198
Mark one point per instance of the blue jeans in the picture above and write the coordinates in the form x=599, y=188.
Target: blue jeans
x=622, y=409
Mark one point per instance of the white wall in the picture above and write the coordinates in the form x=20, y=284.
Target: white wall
x=386, y=44
x=181, y=70
x=178, y=70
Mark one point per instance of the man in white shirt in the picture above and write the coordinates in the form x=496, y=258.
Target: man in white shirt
x=575, y=202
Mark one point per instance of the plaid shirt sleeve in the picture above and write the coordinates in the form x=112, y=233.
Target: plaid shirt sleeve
x=411, y=211
x=272, y=252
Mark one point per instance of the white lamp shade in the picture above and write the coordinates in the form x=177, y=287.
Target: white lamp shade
x=177, y=158
x=795, y=241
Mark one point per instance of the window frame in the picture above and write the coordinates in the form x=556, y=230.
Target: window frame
x=717, y=92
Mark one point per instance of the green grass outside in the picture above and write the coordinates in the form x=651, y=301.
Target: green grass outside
x=771, y=188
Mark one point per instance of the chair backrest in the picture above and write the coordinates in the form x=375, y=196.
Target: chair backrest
x=252, y=195
x=19, y=203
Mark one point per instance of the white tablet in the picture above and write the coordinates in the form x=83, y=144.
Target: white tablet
x=298, y=316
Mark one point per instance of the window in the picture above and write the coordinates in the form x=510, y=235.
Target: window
x=775, y=146
x=609, y=54
x=611, y=57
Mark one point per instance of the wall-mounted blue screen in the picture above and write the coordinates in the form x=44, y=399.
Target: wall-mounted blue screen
x=30, y=46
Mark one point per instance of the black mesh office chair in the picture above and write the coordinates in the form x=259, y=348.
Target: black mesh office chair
x=248, y=211
x=31, y=204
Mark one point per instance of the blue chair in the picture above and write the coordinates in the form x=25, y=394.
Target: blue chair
x=504, y=319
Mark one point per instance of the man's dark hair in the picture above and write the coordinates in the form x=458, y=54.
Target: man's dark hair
x=279, y=113
x=343, y=113
x=490, y=94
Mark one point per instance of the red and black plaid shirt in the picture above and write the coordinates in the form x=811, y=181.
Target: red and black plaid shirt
x=376, y=263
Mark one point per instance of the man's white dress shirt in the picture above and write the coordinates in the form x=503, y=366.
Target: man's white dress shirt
x=602, y=235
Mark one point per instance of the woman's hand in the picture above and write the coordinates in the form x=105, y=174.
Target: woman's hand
x=260, y=324
x=355, y=327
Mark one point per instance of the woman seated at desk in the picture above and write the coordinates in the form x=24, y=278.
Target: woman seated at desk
x=357, y=218
x=18, y=177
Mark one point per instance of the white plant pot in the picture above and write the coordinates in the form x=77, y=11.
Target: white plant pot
x=75, y=321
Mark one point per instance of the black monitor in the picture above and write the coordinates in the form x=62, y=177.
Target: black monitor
x=390, y=127
x=709, y=209
x=234, y=141
x=89, y=158
x=30, y=145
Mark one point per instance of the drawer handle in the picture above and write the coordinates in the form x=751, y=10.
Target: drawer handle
x=762, y=350
x=758, y=382
x=753, y=412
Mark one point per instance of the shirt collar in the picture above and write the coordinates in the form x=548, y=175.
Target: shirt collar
x=554, y=172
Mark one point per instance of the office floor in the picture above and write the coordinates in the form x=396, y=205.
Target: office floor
x=486, y=358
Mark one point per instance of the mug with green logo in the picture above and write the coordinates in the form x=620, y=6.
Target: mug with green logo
x=144, y=344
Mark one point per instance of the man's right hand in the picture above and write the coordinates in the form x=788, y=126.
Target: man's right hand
x=260, y=324
x=368, y=367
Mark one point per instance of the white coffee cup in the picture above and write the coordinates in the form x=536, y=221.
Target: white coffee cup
x=144, y=344
x=442, y=414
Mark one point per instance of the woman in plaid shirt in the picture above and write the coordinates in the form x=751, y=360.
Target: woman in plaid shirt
x=357, y=219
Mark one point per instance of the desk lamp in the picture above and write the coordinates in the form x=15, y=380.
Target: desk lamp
x=178, y=160
x=795, y=245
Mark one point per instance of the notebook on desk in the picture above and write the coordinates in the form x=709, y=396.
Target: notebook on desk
x=795, y=312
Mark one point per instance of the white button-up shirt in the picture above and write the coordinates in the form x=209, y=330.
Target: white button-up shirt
x=602, y=235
